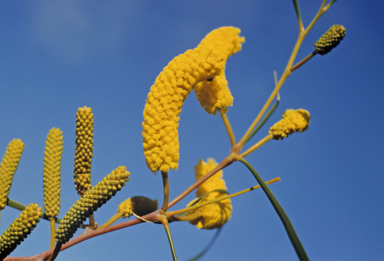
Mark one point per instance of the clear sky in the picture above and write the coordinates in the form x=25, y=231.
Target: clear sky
x=57, y=56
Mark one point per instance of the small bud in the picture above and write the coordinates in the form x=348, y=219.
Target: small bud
x=292, y=121
x=139, y=205
x=330, y=39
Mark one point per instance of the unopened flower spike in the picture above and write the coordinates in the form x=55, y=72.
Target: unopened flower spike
x=52, y=172
x=214, y=94
x=8, y=167
x=330, y=39
x=214, y=215
x=139, y=205
x=90, y=202
x=83, y=149
x=292, y=121
x=20, y=228
x=164, y=102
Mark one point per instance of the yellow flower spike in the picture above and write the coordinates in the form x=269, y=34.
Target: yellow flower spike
x=292, y=121
x=214, y=94
x=83, y=149
x=20, y=228
x=164, y=102
x=214, y=215
x=330, y=39
x=90, y=202
x=139, y=205
x=52, y=172
x=8, y=167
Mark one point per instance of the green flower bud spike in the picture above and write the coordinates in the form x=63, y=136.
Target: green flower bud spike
x=84, y=149
x=52, y=171
x=330, y=39
x=8, y=167
x=20, y=228
x=90, y=202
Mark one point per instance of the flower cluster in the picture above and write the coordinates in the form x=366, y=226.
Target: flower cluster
x=292, y=121
x=20, y=228
x=8, y=167
x=139, y=205
x=167, y=95
x=214, y=215
x=52, y=171
x=330, y=39
x=214, y=94
x=90, y=202
x=83, y=149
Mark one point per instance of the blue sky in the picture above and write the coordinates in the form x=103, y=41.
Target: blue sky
x=59, y=56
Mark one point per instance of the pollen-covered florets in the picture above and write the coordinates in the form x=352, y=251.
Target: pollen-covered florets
x=214, y=94
x=90, y=202
x=139, y=205
x=83, y=149
x=330, y=39
x=214, y=215
x=52, y=172
x=8, y=167
x=292, y=121
x=214, y=182
x=20, y=228
x=164, y=102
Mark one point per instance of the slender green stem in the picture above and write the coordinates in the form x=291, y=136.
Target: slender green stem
x=92, y=222
x=56, y=251
x=166, y=190
x=112, y=220
x=53, y=231
x=264, y=120
x=228, y=127
x=257, y=145
x=306, y=59
x=297, y=9
x=300, y=251
x=164, y=221
x=197, y=257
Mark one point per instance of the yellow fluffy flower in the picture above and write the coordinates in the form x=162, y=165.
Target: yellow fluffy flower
x=214, y=94
x=214, y=215
x=164, y=102
x=292, y=121
x=214, y=182
x=8, y=167
x=167, y=95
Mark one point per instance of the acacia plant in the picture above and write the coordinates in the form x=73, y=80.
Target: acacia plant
x=201, y=69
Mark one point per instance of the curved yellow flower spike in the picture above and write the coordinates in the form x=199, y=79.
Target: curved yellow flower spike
x=166, y=97
x=214, y=215
x=214, y=94
x=292, y=121
x=8, y=167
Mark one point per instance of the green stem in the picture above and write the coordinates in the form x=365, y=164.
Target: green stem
x=300, y=251
x=296, y=4
x=166, y=191
x=264, y=120
x=164, y=221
